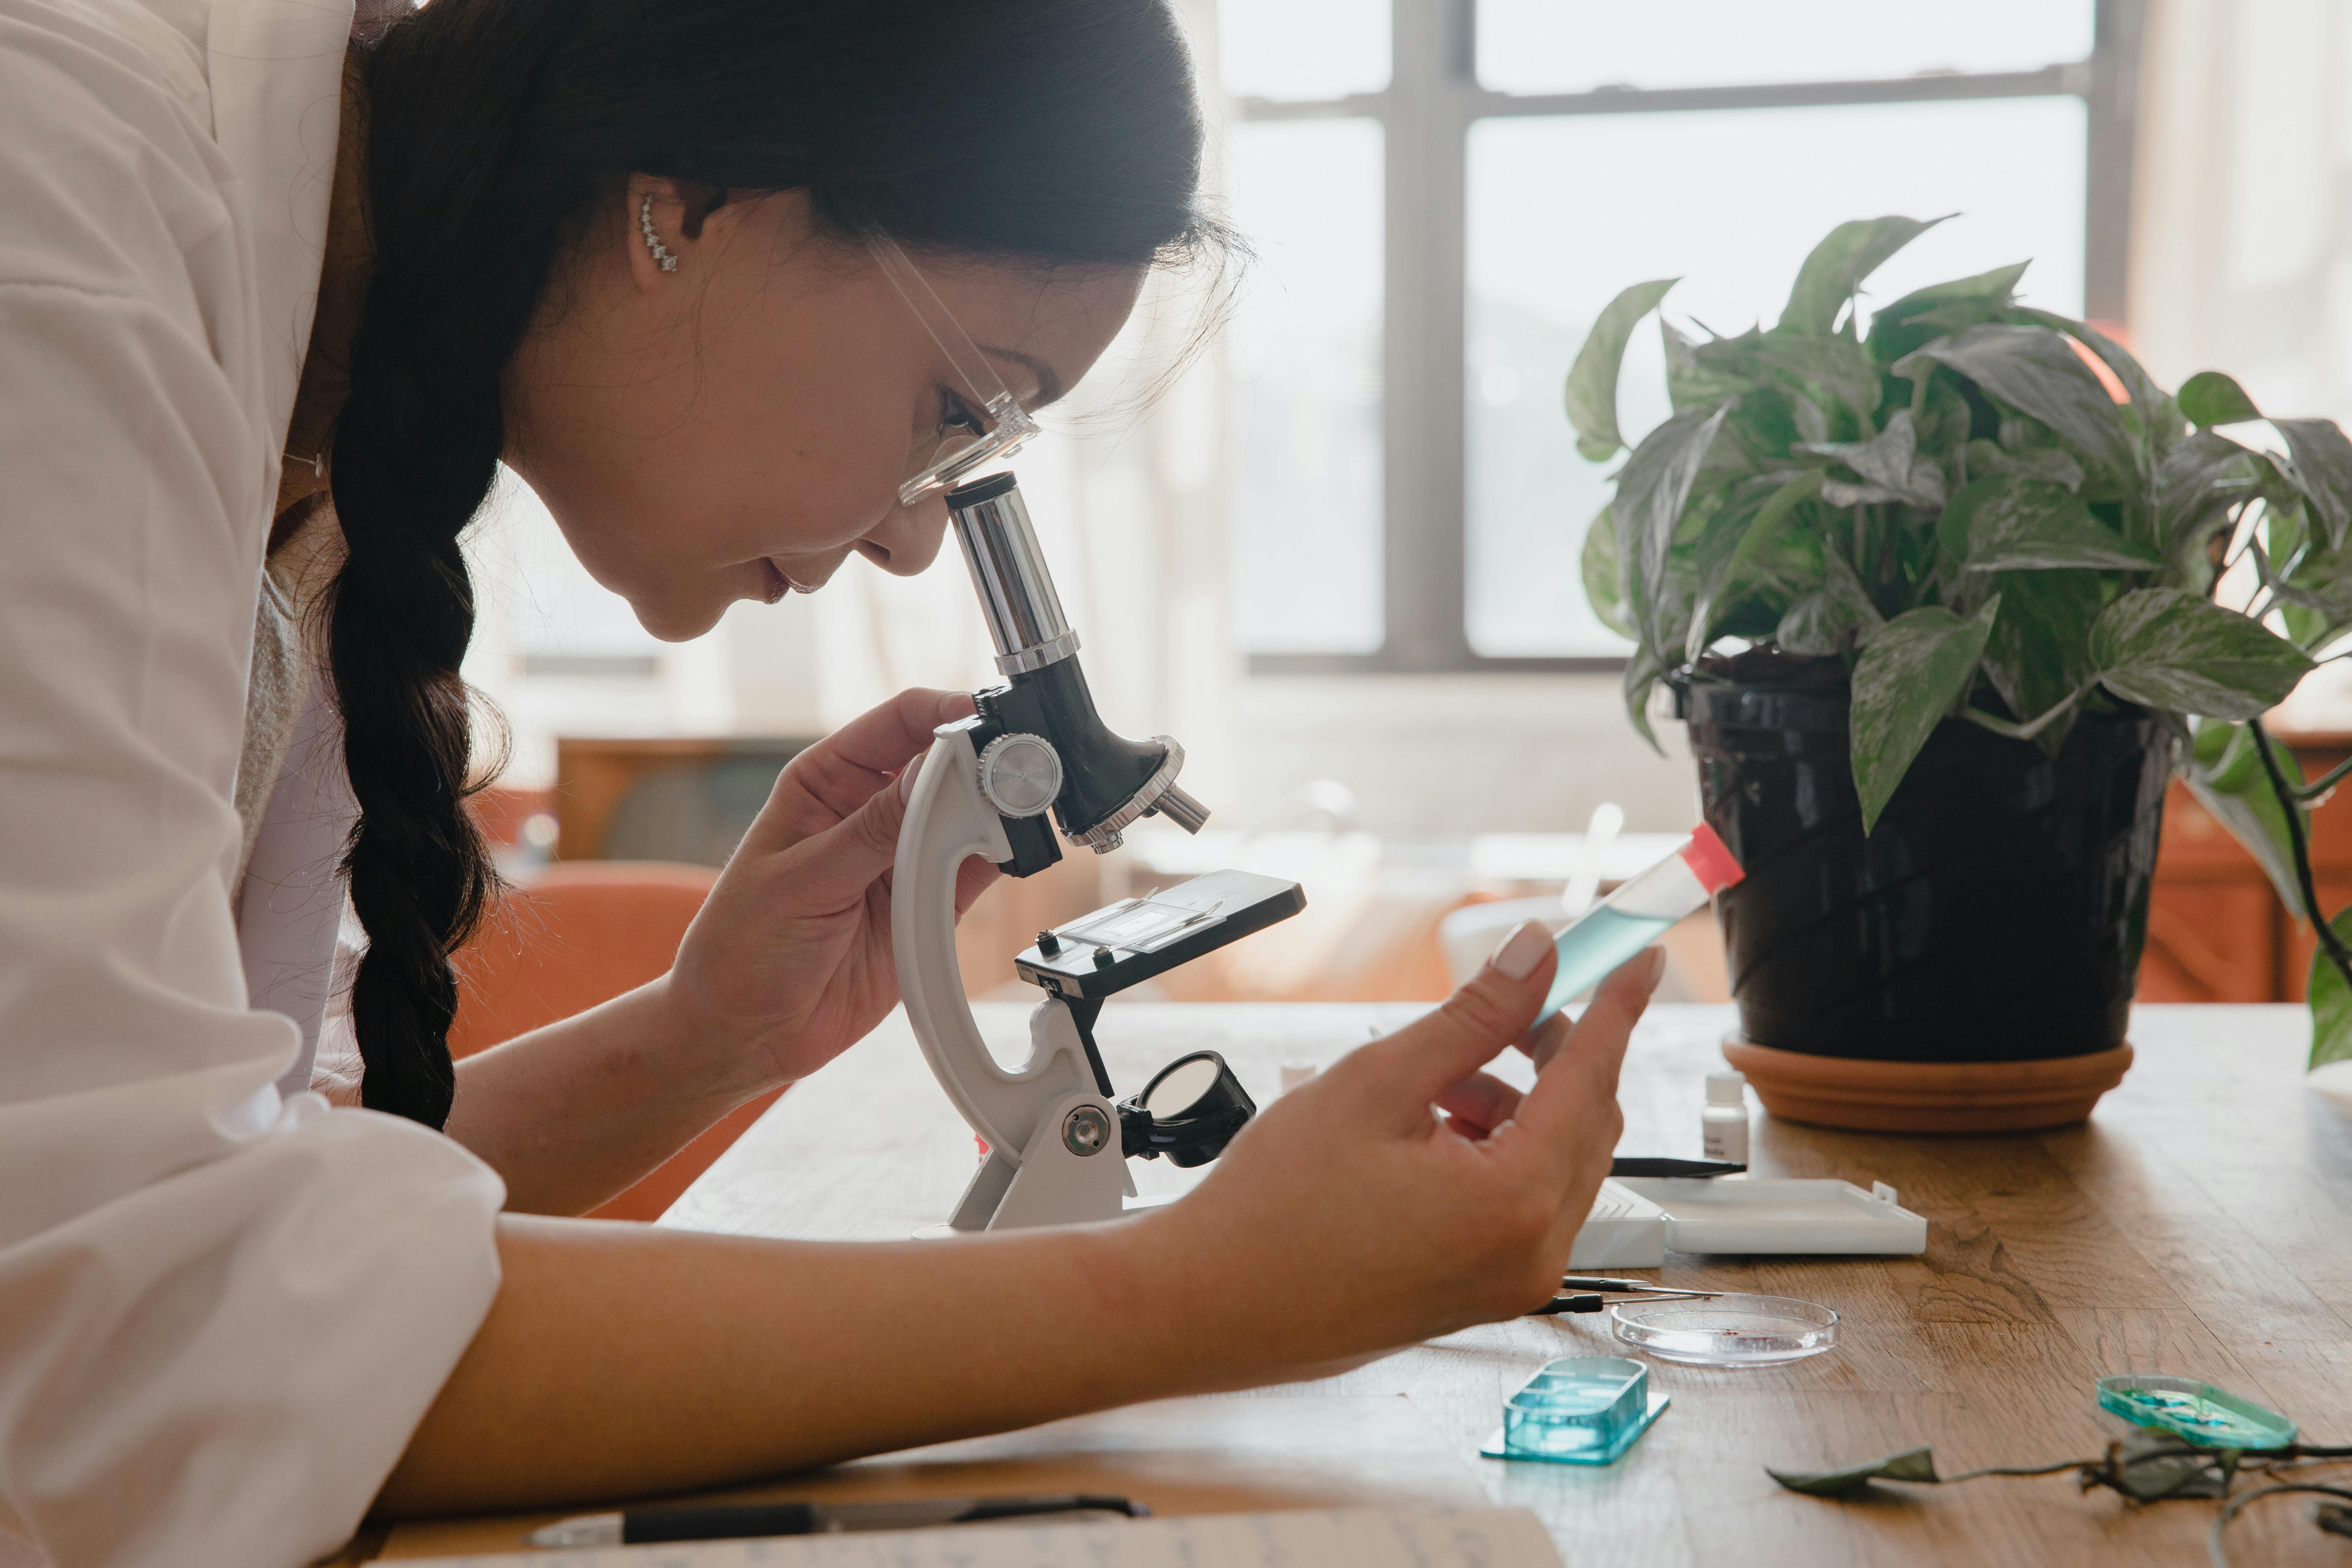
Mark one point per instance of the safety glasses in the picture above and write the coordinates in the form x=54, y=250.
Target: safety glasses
x=941, y=463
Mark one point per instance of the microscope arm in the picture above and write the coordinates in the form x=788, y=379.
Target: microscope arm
x=948, y=821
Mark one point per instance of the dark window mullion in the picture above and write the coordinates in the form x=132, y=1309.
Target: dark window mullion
x=2114, y=99
x=1422, y=399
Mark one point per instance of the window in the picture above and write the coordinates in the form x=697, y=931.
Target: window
x=1442, y=193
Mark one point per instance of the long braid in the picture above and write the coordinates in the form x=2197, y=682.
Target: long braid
x=416, y=453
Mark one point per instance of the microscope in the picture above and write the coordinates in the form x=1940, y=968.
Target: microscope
x=1058, y=1140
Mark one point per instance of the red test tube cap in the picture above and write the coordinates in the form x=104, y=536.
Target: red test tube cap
x=1710, y=862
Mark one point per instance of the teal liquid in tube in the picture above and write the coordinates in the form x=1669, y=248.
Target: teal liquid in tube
x=1637, y=914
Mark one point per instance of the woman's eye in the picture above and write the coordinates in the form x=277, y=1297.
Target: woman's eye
x=955, y=414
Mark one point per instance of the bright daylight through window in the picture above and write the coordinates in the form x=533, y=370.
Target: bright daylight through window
x=1435, y=236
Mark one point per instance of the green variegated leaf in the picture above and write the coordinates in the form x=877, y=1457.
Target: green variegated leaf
x=1915, y=1465
x=1754, y=602
x=2312, y=584
x=1831, y=372
x=2210, y=398
x=1849, y=597
x=1912, y=674
x=1651, y=494
x=1887, y=463
x=2226, y=776
x=2197, y=485
x=1643, y=671
x=1943, y=418
x=1754, y=538
x=2331, y=1002
x=2039, y=651
x=2050, y=465
x=2038, y=373
x=2147, y=398
x=1768, y=422
x=1599, y=562
x=1592, y=393
x=2164, y=648
x=1698, y=377
x=1850, y=253
x=1925, y=314
x=2023, y=524
x=1812, y=628
x=1837, y=492
x=2323, y=470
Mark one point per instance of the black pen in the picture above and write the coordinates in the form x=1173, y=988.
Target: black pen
x=632, y=1526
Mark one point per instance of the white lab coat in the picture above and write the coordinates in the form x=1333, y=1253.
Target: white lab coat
x=223, y=1309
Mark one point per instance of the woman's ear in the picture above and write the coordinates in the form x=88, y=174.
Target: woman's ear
x=665, y=219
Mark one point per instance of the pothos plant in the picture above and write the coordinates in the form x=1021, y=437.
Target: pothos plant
x=1981, y=527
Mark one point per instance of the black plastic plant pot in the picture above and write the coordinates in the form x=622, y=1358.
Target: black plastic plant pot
x=1995, y=913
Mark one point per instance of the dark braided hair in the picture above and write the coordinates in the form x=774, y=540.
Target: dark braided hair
x=1050, y=132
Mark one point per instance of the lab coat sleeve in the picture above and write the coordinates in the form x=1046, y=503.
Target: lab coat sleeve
x=220, y=1314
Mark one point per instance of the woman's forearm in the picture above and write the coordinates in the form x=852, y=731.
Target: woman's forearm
x=573, y=1114
x=622, y=1360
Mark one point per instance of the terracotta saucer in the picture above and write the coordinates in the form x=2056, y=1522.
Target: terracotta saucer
x=1927, y=1096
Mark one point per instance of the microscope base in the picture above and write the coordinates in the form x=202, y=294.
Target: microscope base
x=1054, y=1183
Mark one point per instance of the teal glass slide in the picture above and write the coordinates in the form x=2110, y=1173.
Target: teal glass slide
x=2208, y=1416
x=1581, y=1410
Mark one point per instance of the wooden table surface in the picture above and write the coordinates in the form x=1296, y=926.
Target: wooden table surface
x=2197, y=1225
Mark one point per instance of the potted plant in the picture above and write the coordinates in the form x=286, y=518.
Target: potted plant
x=1937, y=600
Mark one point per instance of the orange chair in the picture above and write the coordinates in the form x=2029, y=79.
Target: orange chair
x=573, y=935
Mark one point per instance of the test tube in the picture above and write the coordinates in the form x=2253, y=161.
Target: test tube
x=1637, y=913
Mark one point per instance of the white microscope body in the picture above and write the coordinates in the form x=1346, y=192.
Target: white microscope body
x=1057, y=1143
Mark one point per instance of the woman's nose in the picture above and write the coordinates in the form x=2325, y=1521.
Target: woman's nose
x=908, y=539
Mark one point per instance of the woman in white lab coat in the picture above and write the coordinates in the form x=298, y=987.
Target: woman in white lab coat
x=276, y=298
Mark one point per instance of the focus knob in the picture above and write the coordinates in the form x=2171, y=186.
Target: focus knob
x=1020, y=775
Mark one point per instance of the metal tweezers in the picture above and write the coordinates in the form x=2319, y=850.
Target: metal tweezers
x=1593, y=1303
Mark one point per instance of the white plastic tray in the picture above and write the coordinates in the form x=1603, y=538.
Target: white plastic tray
x=1624, y=1230
x=1780, y=1217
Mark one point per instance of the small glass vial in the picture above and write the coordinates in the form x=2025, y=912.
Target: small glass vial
x=1723, y=1125
x=1637, y=914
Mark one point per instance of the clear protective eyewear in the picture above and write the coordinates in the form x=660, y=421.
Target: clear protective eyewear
x=941, y=465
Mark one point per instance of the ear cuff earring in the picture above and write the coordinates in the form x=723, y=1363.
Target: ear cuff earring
x=653, y=241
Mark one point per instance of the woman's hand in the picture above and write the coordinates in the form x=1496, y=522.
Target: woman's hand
x=1349, y=1218
x=790, y=961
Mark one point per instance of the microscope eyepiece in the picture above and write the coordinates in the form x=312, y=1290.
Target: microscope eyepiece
x=1016, y=593
x=1107, y=781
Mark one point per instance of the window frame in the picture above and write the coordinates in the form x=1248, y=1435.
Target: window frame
x=1425, y=115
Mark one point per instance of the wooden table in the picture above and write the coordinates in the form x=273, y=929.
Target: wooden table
x=2199, y=1225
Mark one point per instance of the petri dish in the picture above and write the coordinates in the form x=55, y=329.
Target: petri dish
x=1728, y=1331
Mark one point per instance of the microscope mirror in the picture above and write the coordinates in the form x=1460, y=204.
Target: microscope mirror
x=1179, y=1087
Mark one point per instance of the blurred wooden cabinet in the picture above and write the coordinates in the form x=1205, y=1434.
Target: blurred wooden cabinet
x=2216, y=931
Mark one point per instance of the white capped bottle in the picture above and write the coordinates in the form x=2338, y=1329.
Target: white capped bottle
x=1723, y=1125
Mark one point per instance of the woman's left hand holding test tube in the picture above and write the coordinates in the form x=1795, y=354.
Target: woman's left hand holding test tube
x=1433, y=1224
